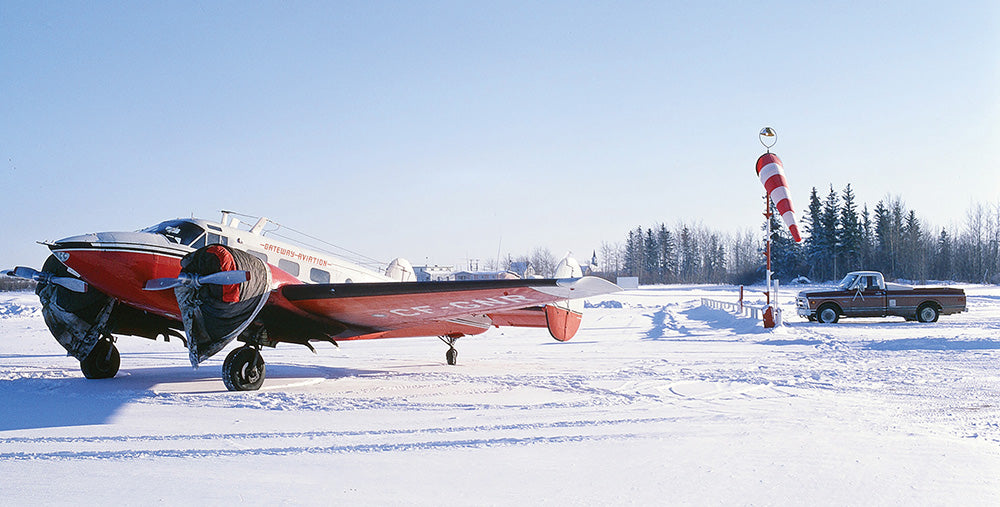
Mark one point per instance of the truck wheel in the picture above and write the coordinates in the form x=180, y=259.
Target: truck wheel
x=827, y=314
x=927, y=313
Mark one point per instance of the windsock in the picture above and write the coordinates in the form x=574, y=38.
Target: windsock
x=772, y=175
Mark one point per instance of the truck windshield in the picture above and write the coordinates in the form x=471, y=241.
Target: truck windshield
x=178, y=231
x=848, y=280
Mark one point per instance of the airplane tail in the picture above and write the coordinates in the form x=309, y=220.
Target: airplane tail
x=563, y=318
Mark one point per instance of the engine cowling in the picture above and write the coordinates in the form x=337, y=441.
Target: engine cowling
x=77, y=320
x=214, y=315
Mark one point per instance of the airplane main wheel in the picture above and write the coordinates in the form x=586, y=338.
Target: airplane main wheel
x=102, y=362
x=452, y=356
x=243, y=370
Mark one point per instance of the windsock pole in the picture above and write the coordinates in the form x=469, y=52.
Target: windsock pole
x=767, y=239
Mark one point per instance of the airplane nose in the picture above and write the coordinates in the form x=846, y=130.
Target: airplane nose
x=83, y=240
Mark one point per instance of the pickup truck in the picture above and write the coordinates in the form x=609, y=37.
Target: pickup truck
x=865, y=294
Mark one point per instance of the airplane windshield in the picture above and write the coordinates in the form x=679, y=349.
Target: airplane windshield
x=178, y=231
x=848, y=280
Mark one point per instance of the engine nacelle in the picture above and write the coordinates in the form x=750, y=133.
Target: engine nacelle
x=214, y=315
x=400, y=270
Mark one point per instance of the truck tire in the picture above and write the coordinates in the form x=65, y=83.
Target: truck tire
x=927, y=312
x=827, y=314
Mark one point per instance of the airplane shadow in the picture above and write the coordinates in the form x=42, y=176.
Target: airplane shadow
x=32, y=403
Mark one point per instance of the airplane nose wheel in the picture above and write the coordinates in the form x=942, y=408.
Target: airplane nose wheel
x=102, y=362
x=243, y=369
x=452, y=355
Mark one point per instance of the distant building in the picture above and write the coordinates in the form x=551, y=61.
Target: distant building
x=523, y=269
x=434, y=273
x=485, y=275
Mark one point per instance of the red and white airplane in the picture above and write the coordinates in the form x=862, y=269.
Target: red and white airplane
x=232, y=282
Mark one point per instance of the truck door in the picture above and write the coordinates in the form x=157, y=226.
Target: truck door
x=868, y=298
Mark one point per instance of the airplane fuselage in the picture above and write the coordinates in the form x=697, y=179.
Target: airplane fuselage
x=120, y=263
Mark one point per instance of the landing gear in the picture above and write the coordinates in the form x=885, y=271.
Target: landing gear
x=102, y=362
x=243, y=369
x=452, y=355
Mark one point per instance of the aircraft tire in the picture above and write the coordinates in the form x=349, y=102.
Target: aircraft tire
x=102, y=362
x=243, y=370
x=452, y=356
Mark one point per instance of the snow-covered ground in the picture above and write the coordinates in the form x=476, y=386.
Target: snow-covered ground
x=657, y=400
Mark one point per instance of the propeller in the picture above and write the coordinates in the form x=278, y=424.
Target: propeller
x=193, y=280
x=73, y=284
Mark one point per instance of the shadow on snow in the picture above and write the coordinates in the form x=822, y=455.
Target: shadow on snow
x=31, y=403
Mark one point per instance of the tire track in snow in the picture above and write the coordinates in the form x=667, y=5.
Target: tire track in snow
x=244, y=438
x=333, y=449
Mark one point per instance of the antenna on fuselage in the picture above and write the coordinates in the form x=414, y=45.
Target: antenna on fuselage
x=259, y=226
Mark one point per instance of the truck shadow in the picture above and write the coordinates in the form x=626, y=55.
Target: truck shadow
x=932, y=344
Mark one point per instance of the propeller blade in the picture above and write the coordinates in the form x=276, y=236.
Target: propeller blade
x=73, y=284
x=162, y=283
x=220, y=278
x=23, y=272
x=225, y=278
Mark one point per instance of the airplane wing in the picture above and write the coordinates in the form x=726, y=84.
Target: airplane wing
x=391, y=306
x=268, y=306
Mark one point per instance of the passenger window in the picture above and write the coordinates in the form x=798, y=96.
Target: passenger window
x=319, y=276
x=289, y=267
x=259, y=255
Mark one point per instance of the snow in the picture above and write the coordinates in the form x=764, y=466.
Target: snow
x=656, y=400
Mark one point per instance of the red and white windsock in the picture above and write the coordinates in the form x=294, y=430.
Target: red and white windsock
x=772, y=175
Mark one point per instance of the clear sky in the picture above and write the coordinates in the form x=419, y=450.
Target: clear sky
x=432, y=130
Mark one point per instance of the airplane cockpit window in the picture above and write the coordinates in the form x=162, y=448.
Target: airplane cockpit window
x=217, y=239
x=181, y=232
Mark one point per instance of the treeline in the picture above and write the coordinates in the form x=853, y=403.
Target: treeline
x=838, y=236
x=9, y=283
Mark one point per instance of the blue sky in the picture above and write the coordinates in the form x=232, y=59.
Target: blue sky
x=433, y=130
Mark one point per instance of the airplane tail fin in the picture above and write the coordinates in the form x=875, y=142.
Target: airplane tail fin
x=563, y=318
x=563, y=322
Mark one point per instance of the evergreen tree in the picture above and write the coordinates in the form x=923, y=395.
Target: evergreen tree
x=851, y=235
x=689, y=256
x=867, y=239
x=830, y=244
x=633, y=252
x=883, y=237
x=816, y=236
x=651, y=259
x=667, y=257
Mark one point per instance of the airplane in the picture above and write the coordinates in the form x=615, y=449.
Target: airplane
x=233, y=282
